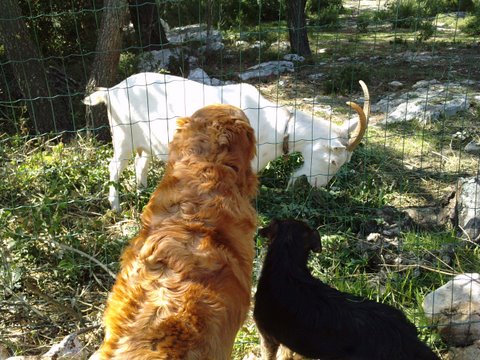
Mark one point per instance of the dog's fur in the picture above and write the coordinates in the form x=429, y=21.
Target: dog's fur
x=295, y=309
x=183, y=289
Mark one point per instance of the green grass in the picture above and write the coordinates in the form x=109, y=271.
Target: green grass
x=54, y=219
x=57, y=234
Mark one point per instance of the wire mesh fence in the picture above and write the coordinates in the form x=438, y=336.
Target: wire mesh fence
x=398, y=214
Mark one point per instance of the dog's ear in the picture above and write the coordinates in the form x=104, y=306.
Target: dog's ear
x=310, y=238
x=269, y=231
x=250, y=136
x=315, y=241
x=239, y=132
x=182, y=122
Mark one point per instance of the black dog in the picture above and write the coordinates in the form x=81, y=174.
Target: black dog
x=294, y=309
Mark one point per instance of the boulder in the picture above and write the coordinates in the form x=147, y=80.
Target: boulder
x=455, y=309
x=471, y=352
x=427, y=101
x=473, y=147
x=199, y=75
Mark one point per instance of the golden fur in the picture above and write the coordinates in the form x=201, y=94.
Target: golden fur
x=183, y=290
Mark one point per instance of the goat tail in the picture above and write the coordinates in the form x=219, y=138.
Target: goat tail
x=97, y=97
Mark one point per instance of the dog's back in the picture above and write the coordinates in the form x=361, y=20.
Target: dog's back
x=299, y=311
x=183, y=289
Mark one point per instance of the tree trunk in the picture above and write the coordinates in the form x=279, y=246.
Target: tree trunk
x=297, y=27
x=147, y=24
x=46, y=112
x=105, y=64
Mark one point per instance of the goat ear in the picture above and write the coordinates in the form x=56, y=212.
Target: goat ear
x=347, y=128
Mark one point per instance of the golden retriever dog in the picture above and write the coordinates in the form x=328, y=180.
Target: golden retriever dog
x=183, y=289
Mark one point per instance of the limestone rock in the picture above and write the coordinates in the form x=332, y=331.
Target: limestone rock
x=455, y=309
x=267, y=69
x=395, y=84
x=70, y=348
x=471, y=352
x=195, y=32
x=199, y=75
x=473, y=147
x=427, y=101
x=468, y=208
x=294, y=57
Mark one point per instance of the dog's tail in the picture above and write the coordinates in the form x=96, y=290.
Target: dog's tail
x=97, y=97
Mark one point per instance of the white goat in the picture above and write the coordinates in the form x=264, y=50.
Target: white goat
x=142, y=111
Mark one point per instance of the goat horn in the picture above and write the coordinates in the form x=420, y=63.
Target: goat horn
x=366, y=101
x=363, y=114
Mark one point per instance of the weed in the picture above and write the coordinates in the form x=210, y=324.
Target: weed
x=344, y=78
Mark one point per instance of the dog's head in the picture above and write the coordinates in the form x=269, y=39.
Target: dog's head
x=292, y=234
x=221, y=136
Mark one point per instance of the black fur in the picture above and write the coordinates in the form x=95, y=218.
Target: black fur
x=294, y=309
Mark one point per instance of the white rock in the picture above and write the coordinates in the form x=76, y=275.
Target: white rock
x=473, y=147
x=374, y=237
x=316, y=76
x=216, y=82
x=195, y=32
x=199, y=75
x=458, y=103
x=471, y=352
x=455, y=309
x=70, y=348
x=469, y=82
x=423, y=109
x=267, y=69
x=395, y=84
x=242, y=44
x=462, y=288
x=258, y=44
x=424, y=83
x=294, y=57
x=468, y=209
x=213, y=46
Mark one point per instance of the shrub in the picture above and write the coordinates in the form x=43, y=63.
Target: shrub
x=222, y=13
x=472, y=23
x=329, y=16
x=343, y=79
x=363, y=20
x=317, y=6
x=434, y=7
x=406, y=14
x=426, y=30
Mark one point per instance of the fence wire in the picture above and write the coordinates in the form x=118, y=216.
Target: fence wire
x=398, y=216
